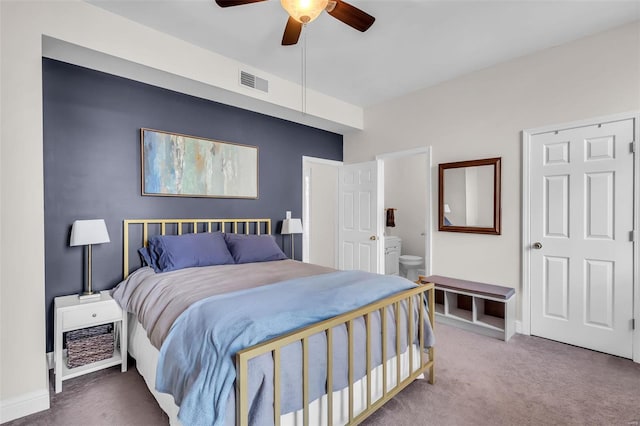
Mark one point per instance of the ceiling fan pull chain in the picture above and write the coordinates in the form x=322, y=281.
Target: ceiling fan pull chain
x=304, y=72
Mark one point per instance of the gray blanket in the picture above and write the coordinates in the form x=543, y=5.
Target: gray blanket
x=158, y=299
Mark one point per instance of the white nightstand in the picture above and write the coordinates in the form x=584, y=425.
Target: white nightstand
x=71, y=313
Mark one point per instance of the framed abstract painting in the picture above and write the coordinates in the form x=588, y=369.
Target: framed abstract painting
x=188, y=166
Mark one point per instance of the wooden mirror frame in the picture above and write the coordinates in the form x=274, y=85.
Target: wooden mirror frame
x=495, y=230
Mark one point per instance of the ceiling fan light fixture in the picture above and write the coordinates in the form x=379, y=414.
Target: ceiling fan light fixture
x=304, y=11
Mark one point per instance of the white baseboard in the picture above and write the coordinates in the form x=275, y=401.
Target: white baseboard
x=23, y=405
x=518, y=327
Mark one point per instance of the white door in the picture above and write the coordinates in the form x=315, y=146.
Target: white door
x=359, y=221
x=320, y=211
x=581, y=248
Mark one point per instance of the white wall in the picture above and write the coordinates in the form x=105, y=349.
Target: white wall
x=114, y=43
x=22, y=324
x=405, y=182
x=482, y=114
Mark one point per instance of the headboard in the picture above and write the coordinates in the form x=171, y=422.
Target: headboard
x=141, y=229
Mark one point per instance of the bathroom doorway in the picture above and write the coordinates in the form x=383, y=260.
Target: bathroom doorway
x=320, y=211
x=407, y=200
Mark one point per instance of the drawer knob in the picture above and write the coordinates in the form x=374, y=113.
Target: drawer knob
x=94, y=315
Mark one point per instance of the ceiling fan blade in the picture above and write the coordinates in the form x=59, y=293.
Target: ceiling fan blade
x=227, y=3
x=351, y=16
x=291, y=32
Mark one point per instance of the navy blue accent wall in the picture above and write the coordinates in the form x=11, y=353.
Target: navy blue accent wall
x=92, y=124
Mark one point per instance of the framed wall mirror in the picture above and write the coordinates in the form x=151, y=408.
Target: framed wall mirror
x=469, y=196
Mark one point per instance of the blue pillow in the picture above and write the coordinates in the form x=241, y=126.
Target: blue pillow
x=172, y=252
x=253, y=248
x=146, y=258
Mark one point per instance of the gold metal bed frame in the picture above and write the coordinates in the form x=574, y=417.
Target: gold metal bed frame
x=263, y=226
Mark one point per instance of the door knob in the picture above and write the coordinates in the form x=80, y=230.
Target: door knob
x=373, y=238
x=537, y=245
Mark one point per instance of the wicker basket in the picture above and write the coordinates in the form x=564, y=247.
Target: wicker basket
x=89, y=345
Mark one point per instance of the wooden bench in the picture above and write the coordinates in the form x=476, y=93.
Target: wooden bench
x=484, y=308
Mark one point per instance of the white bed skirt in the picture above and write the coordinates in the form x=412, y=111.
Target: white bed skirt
x=146, y=356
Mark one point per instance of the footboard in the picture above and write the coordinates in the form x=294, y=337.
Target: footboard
x=274, y=346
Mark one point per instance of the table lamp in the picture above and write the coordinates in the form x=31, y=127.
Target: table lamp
x=291, y=226
x=87, y=233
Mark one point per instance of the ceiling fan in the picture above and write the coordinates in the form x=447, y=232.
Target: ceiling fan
x=304, y=11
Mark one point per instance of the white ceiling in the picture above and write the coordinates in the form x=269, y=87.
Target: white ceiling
x=412, y=44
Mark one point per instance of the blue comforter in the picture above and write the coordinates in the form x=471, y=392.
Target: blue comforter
x=196, y=363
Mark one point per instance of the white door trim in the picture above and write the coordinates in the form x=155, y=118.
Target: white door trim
x=428, y=253
x=325, y=161
x=306, y=160
x=526, y=219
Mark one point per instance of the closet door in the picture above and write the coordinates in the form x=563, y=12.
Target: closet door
x=581, y=251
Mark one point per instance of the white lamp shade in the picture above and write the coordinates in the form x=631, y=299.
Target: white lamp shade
x=86, y=232
x=447, y=209
x=304, y=11
x=291, y=226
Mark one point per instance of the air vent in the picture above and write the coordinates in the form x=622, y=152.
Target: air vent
x=250, y=80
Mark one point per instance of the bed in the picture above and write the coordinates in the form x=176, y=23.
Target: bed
x=321, y=360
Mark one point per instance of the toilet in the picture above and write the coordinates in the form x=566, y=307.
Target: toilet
x=411, y=265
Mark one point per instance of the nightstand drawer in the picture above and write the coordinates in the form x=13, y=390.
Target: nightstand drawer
x=91, y=314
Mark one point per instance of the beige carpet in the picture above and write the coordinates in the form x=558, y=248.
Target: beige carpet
x=528, y=381
x=480, y=381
